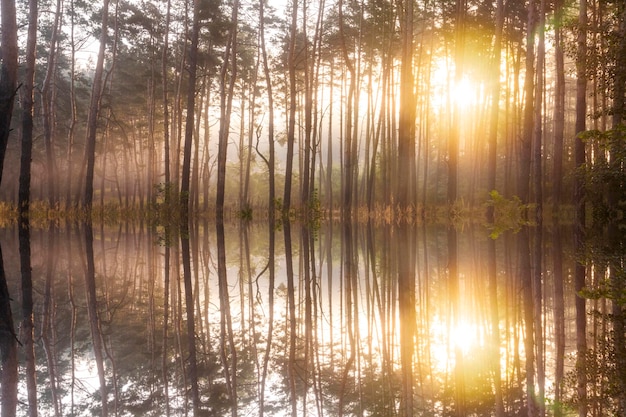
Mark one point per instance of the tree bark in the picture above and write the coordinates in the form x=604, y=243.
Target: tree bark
x=227, y=86
x=559, y=108
x=492, y=157
x=189, y=123
x=8, y=348
x=406, y=121
x=528, y=117
x=48, y=107
x=8, y=73
x=291, y=120
x=27, y=330
x=94, y=109
x=579, y=156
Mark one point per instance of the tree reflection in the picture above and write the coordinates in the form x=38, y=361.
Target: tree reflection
x=375, y=320
x=8, y=349
x=94, y=317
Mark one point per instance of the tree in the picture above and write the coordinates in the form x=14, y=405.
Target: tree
x=189, y=124
x=48, y=105
x=579, y=157
x=27, y=328
x=559, y=106
x=94, y=109
x=8, y=74
x=227, y=86
x=8, y=84
x=406, y=122
x=455, y=128
x=291, y=119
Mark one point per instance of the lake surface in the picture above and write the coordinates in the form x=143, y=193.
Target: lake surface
x=342, y=319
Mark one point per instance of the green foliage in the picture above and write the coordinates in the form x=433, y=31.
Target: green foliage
x=314, y=211
x=509, y=214
x=165, y=212
x=245, y=213
x=604, y=176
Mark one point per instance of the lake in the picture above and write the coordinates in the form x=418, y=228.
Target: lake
x=333, y=320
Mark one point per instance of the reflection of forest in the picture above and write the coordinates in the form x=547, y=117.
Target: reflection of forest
x=344, y=320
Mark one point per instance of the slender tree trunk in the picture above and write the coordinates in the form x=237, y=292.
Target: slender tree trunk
x=94, y=317
x=406, y=308
x=309, y=68
x=48, y=107
x=349, y=159
x=525, y=274
x=559, y=108
x=291, y=308
x=293, y=100
x=94, y=109
x=559, y=320
x=227, y=86
x=538, y=194
x=406, y=122
x=73, y=118
x=191, y=327
x=492, y=158
x=48, y=326
x=579, y=156
x=166, y=114
x=538, y=118
x=529, y=114
x=189, y=123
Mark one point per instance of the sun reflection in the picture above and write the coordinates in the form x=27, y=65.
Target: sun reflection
x=449, y=339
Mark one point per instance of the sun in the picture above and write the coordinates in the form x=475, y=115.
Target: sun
x=446, y=92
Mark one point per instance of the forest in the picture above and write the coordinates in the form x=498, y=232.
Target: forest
x=366, y=106
x=478, y=126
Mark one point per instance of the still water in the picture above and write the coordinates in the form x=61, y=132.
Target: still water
x=340, y=320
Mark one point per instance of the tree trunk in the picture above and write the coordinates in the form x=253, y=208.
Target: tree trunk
x=48, y=107
x=27, y=330
x=73, y=118
x=291, y=119
x=406, y=121
x=227, y=86
x=492, y=157
x=94, y=317
x=8, y=73
x=8, y=347
x=166, y=115
x=189, y=123
x=559, y=109
x=94, y=109
x=579, y=156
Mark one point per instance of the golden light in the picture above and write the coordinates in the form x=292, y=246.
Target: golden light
x=446, y=92
x=448, y=339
